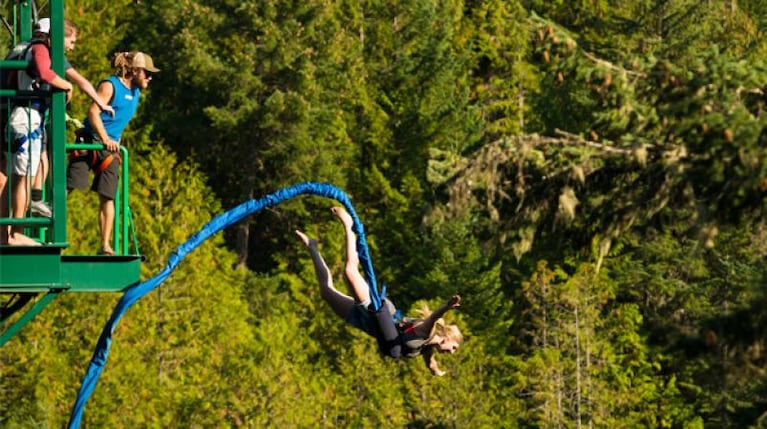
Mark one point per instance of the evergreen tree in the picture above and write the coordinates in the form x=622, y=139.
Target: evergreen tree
x=248, y=79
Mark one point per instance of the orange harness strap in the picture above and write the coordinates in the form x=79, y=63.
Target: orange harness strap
x=99, y=168
x=92, y=158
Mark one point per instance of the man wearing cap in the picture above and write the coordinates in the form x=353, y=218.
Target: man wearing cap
x=26, y=122
x=133, y=72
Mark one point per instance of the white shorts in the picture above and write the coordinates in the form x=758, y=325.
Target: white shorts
x=26, y=160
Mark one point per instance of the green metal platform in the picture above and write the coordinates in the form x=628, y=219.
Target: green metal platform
x=31, y=277
x=41, y=268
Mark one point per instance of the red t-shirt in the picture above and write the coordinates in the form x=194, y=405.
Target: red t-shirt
x=41, y=60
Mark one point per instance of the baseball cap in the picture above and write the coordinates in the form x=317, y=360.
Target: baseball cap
x=43, y=26
x=144, y=61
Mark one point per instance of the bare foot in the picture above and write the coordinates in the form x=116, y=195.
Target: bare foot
x=308, y=242
x=19, y=239
x=107, y=250
x=343, y=216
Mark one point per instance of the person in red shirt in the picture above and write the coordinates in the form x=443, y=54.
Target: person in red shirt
x=26, y=124
x=37, y=205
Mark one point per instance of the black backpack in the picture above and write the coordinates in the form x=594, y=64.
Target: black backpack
x=19, y=52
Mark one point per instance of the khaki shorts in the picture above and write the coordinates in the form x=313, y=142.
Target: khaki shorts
x=26, y=160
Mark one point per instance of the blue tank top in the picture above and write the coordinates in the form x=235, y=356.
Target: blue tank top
x=125, y=103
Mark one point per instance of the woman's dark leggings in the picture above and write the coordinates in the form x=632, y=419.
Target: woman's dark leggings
x=389, y=340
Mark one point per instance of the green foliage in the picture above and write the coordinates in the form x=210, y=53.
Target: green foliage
x=584, y=357
x=261, y=84
x=698, y=303
x=502, y=76
x=590, y=176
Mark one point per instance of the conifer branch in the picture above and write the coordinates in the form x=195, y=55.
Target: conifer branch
x=612, y=66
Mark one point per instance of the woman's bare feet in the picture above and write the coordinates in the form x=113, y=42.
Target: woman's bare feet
x=343, y=216
x=308, y=241
x=19, y=239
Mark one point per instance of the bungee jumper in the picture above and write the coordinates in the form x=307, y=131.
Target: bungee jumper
x=410, y=337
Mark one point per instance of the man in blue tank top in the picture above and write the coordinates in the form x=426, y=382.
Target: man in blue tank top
x=133, y=72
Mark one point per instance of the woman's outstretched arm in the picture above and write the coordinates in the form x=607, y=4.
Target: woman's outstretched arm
x=425, y=328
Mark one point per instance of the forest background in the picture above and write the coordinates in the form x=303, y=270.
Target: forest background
x=590, y=175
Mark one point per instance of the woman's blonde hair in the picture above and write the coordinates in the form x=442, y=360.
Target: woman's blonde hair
x=441, y=328
x=450, y=331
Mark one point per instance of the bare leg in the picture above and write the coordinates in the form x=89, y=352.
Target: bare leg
x=3, y=182
x=4, y=230
x=13, y=235
x=388, y=338
x=340, y=303
x=106, y=224
x=20, y=196
x=356, y=280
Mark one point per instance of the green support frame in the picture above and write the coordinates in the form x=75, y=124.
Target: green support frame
x=27, y=317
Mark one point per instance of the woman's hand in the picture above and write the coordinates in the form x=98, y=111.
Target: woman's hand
x=454, y=301
x=107, y=109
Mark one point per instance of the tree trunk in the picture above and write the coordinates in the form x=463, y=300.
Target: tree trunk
x=242, y=240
